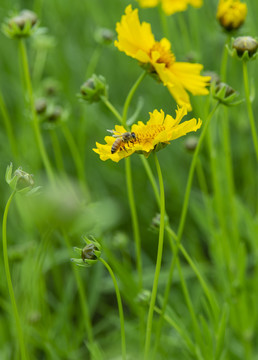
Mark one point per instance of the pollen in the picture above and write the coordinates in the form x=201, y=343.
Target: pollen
x=165, y=55
x=150, y=133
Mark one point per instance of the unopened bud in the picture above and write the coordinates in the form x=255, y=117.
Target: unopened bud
x=21, y=25
x=20, y=181
x=104, y=36
x=225, y=94
x=143, y=298
x=93, y=89
x=40, y=105
x=244, y=44
x=190, y=143
x=89, y=255
x=231, y=14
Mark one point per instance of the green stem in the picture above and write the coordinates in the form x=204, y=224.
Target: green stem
x=9, y=281
x=249, y=108
x=112, y=109
x=77, y=159
x=164, y=22
x=158, y=261
x=130, y=95
x=135, y=222
x=35, y=122
x=82, y=295
x=120, y=308
x=57, y=151
x=224, y=61
x=8, y=126
x=184, y=33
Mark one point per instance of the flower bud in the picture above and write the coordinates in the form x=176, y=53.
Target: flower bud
x=89, y=255
x=21, y=25
x=155, y=222
x=231, y=14
x=104, y=36
x=225, y=94
x=191, y=143
x=213, y=75
x=93, y=89
x=143, y=297
x=20, y=181
x=244, y=44
x=40, y=105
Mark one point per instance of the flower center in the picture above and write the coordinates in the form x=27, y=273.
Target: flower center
x=151, y=132
x=165, y=56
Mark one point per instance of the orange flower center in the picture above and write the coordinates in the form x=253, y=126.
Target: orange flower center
x=165, y=56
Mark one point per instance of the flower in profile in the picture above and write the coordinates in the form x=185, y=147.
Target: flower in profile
x=136, y=40
x=145, y=138
x=171, y=6
x=231, y=14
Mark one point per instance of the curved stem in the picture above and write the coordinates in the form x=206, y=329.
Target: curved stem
x=35, y=122
x=77, y=159
x=112, y=108
x=158, y=261
x=9, y=281
x=130, y=95
x=120, y=308
x=249, y=108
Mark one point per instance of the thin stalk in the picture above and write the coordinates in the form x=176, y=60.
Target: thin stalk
x=112, y=109
x=82, y=296
x=9, y=281
x=57, y=151
x=135, y=222
x=249, y=108
x=224, y=61
x=120, y=308
x=184, y=33
x=77, y=159
x=164, y=22
x=8, y=126
x=158, y=261
x=130, y=96
x=35, y=122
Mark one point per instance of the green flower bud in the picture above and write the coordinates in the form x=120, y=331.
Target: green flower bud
x=104, y=36
x=93, y=89
x=155, y=222
x=22, y=25
x=191, y=143
x=213, y=75
x=143, y=298
x=225, y=94
x=40, y=105
x=245, y=47
x=20, y=181
x=89, y=255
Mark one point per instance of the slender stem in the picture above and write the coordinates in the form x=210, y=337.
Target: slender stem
x=77, y=159
x=9, y=281
x=120, y=308
x=249, y=108
x=8, y=126
x=158, y=261
x=191, y=173
x=224, y=62
x=82, y=295
x=135, y=222
x=35, y=122
x=130, y=95
x=93, y=61
x=184, y=33
x=57, y=151
x=164, y=22
x=112, y=109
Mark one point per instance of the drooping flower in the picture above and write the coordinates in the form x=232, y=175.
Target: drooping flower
x=231, y=14
x=137, y=40
x=156, y=134
x=171, y=6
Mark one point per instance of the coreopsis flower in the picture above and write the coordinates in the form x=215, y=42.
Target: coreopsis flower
x=171, y=6
x=145, y=138
x=231, y=14
x=137, y=40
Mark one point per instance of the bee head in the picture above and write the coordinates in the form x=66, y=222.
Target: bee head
x=133, y=136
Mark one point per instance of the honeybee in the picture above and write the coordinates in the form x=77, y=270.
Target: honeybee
x=121, y=140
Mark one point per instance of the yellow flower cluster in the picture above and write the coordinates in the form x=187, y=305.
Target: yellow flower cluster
x=231, y=14
x=137, y=40
x=157, y=133
x=171, y=6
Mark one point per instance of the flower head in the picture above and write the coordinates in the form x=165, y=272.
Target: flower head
x=231, y=14
x=136, y=40
x=22, y=25
x=145, y=138
x=171, y=6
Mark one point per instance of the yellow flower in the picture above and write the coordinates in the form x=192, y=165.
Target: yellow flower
x=171, y=6
x=157, y=133
x=136, y=40
x=231, y=14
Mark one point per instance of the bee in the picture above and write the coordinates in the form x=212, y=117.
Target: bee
x=121, y=140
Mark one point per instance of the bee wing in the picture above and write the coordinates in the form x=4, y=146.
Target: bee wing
x=115, y=133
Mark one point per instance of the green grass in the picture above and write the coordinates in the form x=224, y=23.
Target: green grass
x=207, y=289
